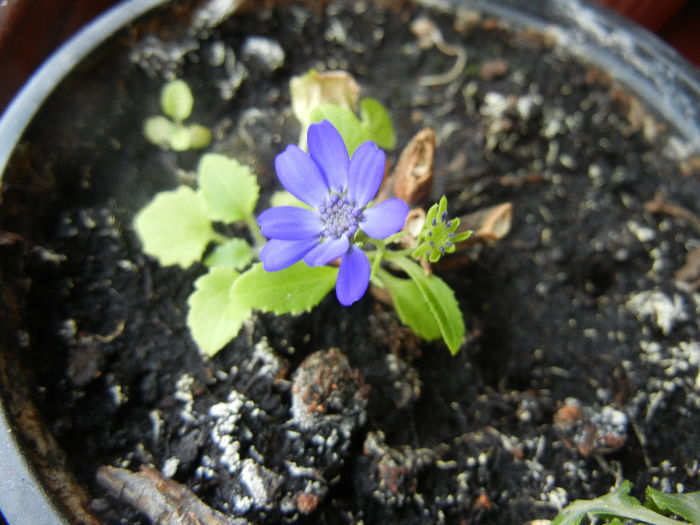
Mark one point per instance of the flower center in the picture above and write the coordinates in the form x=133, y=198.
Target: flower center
x=339, y=216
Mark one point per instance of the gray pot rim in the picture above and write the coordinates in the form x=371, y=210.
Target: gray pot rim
x=633, y=56
x=23, y=500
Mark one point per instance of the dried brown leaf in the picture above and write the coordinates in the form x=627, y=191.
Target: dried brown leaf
x=489, y=224
x=413, y=174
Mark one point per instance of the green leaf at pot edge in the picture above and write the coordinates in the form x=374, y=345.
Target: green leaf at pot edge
x=236, y=254
x=292, y=290
x=411, y=306
x=158, y=129
x=174, y=227
x=441, y=303
x=176, y=100
x=345, y=121
x=616, y=503
x=230, y=189
x=377, y=123
x=213, y=318
x=687, y=505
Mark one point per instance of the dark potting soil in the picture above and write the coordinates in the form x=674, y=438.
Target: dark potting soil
x=581, y=360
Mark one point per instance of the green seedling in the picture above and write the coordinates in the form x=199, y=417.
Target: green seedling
x=169, y=131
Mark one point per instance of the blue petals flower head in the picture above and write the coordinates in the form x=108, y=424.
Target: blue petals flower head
x=338, y=189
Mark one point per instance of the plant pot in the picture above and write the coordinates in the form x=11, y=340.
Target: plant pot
x=652, y=15
x=17, y=23
x=97, y=368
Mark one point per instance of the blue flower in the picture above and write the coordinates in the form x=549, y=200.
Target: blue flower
x=338, y=189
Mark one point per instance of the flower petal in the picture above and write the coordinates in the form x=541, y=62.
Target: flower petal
x=385, y=218
x=278, y=254
x=328, y=150
x=366, y=173
x=300, y=176
x=329, y=250
x=289, y=223
x=353, y=276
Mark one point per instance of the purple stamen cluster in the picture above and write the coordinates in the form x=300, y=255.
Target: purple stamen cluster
x=339, y=216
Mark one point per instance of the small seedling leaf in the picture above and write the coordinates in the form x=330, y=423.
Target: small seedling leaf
x=213, y=317
x=377, y=123
x=181, y=139
x=441, y=303
x=159, y=130
x=230, y=189
x=236, y=254
x=176, y=100
x=292, y=290
x=200, y=136
x=412, y=306
x=174, y=227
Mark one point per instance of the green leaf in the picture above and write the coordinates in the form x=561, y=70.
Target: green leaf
x=292, y=290
x=686, y=505
x=284, y=198
x=200, y=136
x=174, y=227
x=176, y=100
x=411, y=306
x=181, y=139
x=345, y=121
x=377, y=123
x=213, y=317
x=235, y=253
x=441, y=303
x=159, y=130
x=617, y=503
x=230, y=189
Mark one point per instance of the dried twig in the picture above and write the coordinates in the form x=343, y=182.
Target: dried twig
x=661, y=204
x=428, y=35
x=163, y=500
x=690, y=271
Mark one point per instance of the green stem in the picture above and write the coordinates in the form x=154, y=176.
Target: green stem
x=398, y=254
x=217, y=237
x=254, y=230
x=379, y=279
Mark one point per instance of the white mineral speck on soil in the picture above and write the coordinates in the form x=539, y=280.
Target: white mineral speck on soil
x=659, y=306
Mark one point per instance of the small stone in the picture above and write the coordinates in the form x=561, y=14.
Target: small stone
x=261, y=483
x=84, y=364
x=666, y=312
x=307, y=502
x=393, y=470
x=491, y=69
x=642, y=233
x=265, y=50
x=325, y=386
x=591, y=430
x=170, y=467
